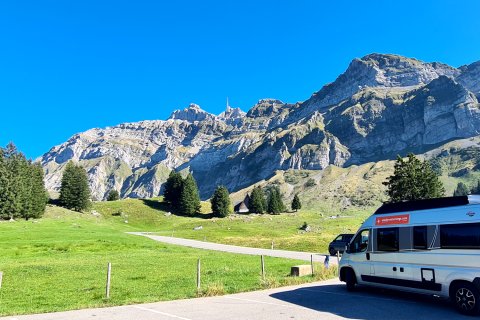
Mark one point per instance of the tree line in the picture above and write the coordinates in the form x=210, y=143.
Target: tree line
x=22, y=190
x=183, y=197
x=23, y=193
x=272, y=202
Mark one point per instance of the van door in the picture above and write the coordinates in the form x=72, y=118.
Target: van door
x=384, y=255
x=406, y=258
x=359, y=254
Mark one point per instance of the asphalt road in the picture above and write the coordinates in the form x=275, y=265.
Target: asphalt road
x=236, y=249
x=321, y=300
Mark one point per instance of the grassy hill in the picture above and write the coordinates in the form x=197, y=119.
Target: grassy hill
x=59, y=262
x=239, y=229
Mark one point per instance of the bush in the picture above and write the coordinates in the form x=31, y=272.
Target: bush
x=113, y=195
x=310, y=183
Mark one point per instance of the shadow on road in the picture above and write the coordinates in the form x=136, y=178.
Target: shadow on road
x=370, y=303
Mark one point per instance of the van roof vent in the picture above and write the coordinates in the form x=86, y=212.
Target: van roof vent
x=427, y=204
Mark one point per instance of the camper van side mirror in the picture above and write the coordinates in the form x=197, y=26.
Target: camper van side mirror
x=347, y=248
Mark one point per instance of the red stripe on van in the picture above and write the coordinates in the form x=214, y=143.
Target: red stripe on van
x=400, y=219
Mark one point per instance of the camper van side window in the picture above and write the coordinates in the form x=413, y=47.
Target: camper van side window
x=387, y=239
x=360, y=243
x=460, y=236
x=420, y=237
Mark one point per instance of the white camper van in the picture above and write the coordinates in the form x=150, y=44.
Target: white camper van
x=426, y=246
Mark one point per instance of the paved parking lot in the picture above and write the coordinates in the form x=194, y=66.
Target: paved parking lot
x=321, y=300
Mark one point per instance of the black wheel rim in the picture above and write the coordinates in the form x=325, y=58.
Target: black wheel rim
x=465, y=299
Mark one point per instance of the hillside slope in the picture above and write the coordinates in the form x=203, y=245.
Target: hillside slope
x=381, y=106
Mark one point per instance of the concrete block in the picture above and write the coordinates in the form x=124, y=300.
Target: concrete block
x=301, y=270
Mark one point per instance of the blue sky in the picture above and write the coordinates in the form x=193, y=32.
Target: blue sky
x=67, y=66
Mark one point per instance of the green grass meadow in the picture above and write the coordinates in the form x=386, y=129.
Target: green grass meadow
x=240, y=229
x=59, y=262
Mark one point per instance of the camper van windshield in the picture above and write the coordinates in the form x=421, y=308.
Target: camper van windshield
x=360, y=243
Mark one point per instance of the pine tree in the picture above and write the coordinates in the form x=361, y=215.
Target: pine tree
x=173, y=190
x=113, y=195
x=189, y=198
x=74, y=189
x=221, y=202
x=258, y=203
x=38, y=194
x=461, y=190
x=476, y=189
x=4, y=187
x=275, y=203
x=26, y=186
x=22, y=190
x=296, y=204
x=413, y=180
x=14, y=191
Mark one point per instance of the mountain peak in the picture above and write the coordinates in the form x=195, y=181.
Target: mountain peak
x=192, y=113
x=231, y=113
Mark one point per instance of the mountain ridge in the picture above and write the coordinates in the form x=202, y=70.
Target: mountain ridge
x=382, y=105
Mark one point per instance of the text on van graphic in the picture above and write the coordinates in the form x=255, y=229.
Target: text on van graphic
x=400, y=219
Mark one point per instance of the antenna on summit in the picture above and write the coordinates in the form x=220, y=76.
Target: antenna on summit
x=227, y=103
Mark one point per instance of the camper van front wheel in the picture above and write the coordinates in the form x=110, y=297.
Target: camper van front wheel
x=466, y=298
x=350, y=279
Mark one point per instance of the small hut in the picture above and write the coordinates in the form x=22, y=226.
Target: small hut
x=243, y=207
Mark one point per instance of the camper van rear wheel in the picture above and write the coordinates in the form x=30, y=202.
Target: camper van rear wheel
x=466, y=298
x=332, y=251
x=350, y=279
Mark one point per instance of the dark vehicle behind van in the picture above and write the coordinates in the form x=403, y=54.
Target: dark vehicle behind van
x=338, y=245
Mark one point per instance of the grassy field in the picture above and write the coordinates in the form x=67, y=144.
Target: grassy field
x=59, y=262
x=245, y=230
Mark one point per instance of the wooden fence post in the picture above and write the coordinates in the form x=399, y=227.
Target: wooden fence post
x=311, y=264
x=262, y=259
x=272, y=244
x=198, y=275
x=1, y=278
x=109, y=273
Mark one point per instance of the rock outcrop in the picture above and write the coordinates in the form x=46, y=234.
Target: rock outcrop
x=383, y=105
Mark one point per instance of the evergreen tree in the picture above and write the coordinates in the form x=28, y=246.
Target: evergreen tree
x=74, y=189
x=413, y=180
x=22, y=190
x=221, y=202
x=25, y=178
x=461, y=190
x=38, y=194
x=476, y=189
x=14, y=189
x=258, y=203
x=113, y=195
x=173, y=190
x=296, y=204
x=4, y=187
x=189, y=198
x=275, y=203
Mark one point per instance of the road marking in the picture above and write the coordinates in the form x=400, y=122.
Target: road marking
x=162, y=313
x=262, y=302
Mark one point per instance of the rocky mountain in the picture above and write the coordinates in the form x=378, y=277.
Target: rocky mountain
x=381, y=106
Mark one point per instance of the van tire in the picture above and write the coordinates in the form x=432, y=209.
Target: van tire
x=332, y=251
x=350, y=279
x=466, y=298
